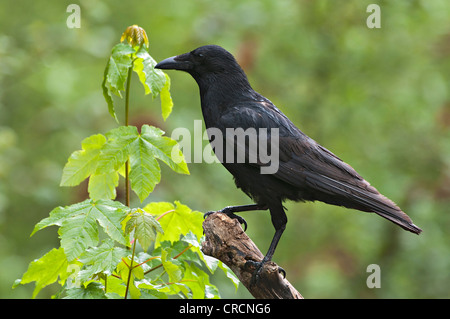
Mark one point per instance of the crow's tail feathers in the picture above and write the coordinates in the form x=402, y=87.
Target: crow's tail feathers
x=364, y=197
x=400, y=218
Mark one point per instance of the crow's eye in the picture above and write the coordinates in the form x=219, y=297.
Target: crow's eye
x=200, y=55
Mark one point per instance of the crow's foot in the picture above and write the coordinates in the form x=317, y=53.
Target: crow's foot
x=230, y=214
x=258, y=265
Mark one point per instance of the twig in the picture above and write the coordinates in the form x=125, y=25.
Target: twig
x=226, y=241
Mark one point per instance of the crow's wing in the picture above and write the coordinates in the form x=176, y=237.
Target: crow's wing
x=308, y=166
x=298, y=153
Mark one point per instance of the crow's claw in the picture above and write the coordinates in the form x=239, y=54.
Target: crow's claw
x=239, y=219
x=282, y=271
x=258, y=268
x=229, y=214
x=207, y=214
x=228, y=211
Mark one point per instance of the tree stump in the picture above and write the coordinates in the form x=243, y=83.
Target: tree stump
x=226, y=240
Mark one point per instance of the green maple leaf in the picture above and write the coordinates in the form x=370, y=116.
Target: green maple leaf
x=83, y=163
x=198, y=281
x=125, y=56
x=94, y=290
x=119, y=63
x=103, y=186
x=103, y=157
x=102, y=259
x=166, y=99
x=145, y=172
x=145, y=227
x=46, y=270
x=178, y=221
x=116, y=74
x=142, y=149
x=172, y=267
x=78, y=224
x=152, y=79
x=115, y=152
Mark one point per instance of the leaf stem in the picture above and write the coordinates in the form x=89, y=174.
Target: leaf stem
x=183, y=280
x=146, y=261
x=130, y=267
x=164, y=214
x=160, y=265
x=127, y=108
x=127, y=177
x=127, y=94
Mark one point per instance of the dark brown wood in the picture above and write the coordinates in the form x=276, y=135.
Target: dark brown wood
x=226, y=240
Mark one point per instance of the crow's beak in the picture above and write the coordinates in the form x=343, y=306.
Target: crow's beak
x=174, y=63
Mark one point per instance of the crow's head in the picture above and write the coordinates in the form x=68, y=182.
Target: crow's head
x=205, y=61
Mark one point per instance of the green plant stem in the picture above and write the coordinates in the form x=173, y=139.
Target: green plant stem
x=127, y=107
x=160, y=265
x=130, y=269
x=127, y=177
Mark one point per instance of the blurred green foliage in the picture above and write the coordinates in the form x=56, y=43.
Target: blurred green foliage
x=378, y=98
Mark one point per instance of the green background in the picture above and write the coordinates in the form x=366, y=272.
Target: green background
x=378, y=98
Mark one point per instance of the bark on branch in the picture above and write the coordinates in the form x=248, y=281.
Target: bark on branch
x=227, y=241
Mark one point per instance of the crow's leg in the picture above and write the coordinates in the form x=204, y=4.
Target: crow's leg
x=279, y=221
x=231, y=210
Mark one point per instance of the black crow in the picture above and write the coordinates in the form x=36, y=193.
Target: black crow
x=305, y=170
